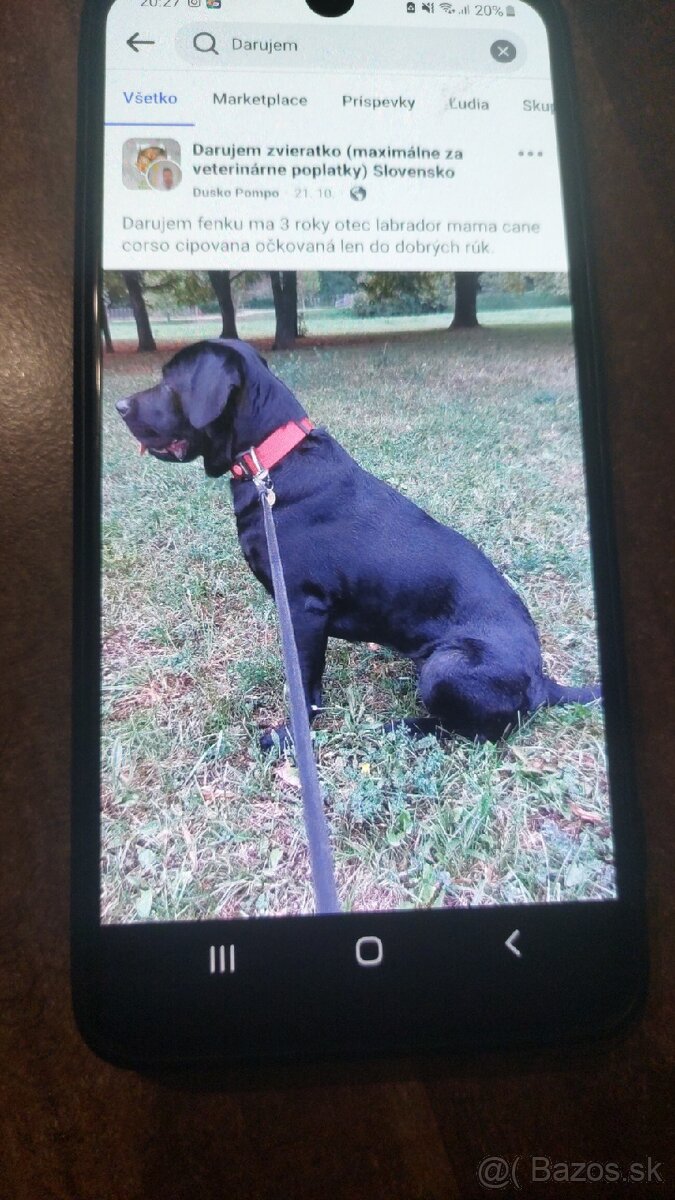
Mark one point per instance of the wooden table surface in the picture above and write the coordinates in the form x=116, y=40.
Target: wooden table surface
x=74, y=1127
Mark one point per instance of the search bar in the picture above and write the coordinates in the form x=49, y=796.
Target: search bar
x=220, y=47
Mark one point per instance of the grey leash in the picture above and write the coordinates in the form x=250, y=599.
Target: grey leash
x=320, y=854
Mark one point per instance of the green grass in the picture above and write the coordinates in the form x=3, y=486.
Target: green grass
x=196, y=821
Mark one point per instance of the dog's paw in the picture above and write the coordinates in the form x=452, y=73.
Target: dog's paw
x=278, y=738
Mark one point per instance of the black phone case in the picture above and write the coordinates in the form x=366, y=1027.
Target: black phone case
x=144, y=996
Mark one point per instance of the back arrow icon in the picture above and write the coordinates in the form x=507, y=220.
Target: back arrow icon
x=135, y=41
x=510, y=943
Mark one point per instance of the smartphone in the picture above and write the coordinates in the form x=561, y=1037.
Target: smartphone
x=337, y=257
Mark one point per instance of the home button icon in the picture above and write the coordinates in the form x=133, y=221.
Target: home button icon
x=369, y=952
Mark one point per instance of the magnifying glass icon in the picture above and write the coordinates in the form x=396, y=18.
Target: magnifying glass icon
x=205, y=43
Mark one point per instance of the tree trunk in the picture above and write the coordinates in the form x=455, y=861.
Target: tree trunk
x=135, y=289
x=285, y=293
x=220, y=282
x=105, y=328
x=466, y=293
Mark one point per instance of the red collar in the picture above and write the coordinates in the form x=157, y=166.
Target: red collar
x=272, y=449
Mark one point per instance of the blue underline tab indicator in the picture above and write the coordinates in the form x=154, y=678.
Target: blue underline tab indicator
x=163, y=124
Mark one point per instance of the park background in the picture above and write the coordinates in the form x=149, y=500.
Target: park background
x=461, y=392
x=154, y=309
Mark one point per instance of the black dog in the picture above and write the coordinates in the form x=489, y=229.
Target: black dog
x=361, y=561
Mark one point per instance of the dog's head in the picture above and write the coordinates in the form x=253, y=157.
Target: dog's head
x=191, y=411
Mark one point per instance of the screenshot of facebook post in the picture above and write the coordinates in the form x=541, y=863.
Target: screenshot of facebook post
x=381, y=256
x=294, y=148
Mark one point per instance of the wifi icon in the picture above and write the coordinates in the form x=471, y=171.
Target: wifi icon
x=448, y=8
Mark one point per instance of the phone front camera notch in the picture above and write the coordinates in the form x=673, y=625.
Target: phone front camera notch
x=330, y=8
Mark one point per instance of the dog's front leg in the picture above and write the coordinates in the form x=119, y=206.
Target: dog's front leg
x=311, y=639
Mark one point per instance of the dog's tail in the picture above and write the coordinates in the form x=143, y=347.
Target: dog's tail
x=557, y=694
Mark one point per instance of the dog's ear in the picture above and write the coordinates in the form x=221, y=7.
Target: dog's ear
x=212, y=385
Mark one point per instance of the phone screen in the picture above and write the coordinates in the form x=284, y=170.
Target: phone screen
x=372, y=206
